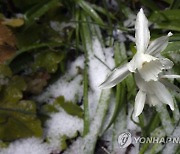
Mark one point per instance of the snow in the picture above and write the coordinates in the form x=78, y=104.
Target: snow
x=70, y=85
x=98, y=71
x=133, y=128
x=58, y=27
x=27, y=146
x=62, y=124
x=89, y=141
x=165, y=118
x=171, y=147
x=130, y=124
x=119, y=127
x=99, y=57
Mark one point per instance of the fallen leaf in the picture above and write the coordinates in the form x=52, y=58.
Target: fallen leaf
x=7, y=43
x=36, y=82
x=6, y=36
x=6, y=52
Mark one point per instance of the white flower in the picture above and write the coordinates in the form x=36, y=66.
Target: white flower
x=153, y=92
x=147, y=64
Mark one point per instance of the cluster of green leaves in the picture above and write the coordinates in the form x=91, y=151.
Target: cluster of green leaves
x=39, y=55
x=18, y=116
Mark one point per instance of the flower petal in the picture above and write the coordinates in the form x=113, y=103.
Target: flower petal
x=138, y=60
x=139, y=103
x=153, y=100
x=116, y=76
x=142, y=84
x=142, y=33
x=132, y=65
x=158, y=45
x=167, y=64
x=170, y=85
x=162, y=93
x=150, y=70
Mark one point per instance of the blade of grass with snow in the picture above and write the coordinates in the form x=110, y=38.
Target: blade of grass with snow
x=95, y=129
x=86, y=40
x=93, y=38
x=165, y=119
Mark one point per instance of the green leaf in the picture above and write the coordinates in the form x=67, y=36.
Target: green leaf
x=165, y=15
x=172, y=52
x=5, y=71
x=10, y=94
x=48, y=60
x=168, y=19
x=18, y=83
x=49, y=108
x=69, y=107
x=63, y=142
x=173, y=47
x=150, y=4
x=32, y=47
x=18, y=120
x=170, y=25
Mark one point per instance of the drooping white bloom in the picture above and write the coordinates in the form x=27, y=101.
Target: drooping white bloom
x=147, y=64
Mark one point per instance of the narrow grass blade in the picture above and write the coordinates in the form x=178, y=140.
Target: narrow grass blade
x=86, y=40
x=91, y=138
x=38, y=10
x=90, y=11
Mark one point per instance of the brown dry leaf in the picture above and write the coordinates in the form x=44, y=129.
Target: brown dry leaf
x=36, y=82
x=6, y=52
x=7, y=43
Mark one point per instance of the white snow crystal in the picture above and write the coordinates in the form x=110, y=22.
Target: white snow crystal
x=70, y=85
x=27, y=146
x=58, y=27
x=61, y=124
x=99, y=57
x=98, y=71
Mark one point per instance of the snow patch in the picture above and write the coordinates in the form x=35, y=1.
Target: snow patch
x=27, y=146
x=99, y=57
x=61, y=124
x=70, y=85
